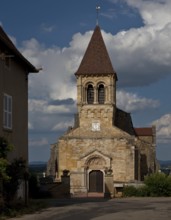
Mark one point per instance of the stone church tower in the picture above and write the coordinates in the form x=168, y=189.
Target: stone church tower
x=103, y=151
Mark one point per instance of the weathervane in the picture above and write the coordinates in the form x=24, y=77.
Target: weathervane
x=97, y=10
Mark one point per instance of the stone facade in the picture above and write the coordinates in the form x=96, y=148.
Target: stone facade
x=102, y=148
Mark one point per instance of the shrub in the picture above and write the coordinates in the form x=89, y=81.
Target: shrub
x=143, y=191
x=15, y=171
x=159, y=184
x=33, y=186
x=129, y=191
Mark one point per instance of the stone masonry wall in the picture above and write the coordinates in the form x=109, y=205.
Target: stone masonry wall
x=71, y=151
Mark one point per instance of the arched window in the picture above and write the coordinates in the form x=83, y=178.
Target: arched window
x=90, y=94
x=101, y=94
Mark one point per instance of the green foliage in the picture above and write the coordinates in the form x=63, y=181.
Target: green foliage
x=159, y=184
x=3, y=167
x=16, y=172
x=5, y=147
x=129, y=191
x=143, y=191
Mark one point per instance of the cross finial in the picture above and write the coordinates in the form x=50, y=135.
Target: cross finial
x=97, y=10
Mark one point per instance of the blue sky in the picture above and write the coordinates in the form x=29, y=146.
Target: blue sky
x=54, y=34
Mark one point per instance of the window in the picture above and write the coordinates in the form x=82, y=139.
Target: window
x=90, y=94
x=101, y=94
x=7, y=111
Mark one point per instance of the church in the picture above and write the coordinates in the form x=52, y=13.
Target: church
x=103, y=151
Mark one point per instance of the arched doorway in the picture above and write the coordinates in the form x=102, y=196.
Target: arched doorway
x=96, y=181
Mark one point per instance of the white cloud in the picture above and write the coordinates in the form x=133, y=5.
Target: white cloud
x=63, y=125
x=30, y=126
x=163, y=128
x=132, y=102
x=154, y=12
x=58, y=68
x=44, y=115
x=43, y=107
x=33, y=50
x=47, y=28
x=38, y=143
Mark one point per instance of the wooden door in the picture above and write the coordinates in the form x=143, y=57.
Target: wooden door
x=96, y=181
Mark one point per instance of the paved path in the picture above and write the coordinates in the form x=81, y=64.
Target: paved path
x=101, y=209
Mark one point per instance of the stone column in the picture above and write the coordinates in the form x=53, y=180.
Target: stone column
x=79, y=90
x=106, y=95
x=109, y=188
x=95, y=95
x=85, y=95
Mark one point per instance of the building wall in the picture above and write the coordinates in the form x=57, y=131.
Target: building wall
x=148, y=161
x=76, y=153
x=13, y=81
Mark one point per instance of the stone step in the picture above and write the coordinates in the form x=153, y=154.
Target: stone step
x=96, y=194
x=90, y=195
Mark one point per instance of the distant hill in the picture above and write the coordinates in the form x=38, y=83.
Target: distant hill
x=165, y=163
x=37, y=162
x=37, y=167
x=40, y=166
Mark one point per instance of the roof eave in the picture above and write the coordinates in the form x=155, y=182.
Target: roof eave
x=96, y=74
x=15, y=52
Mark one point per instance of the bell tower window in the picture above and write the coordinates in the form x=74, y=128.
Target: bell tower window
x=90, y=94
x=101, y=94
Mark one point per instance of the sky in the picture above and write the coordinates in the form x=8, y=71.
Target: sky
x=54, y=34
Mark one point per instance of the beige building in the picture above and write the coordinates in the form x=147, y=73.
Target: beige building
x=103, y=151
x=14, y=71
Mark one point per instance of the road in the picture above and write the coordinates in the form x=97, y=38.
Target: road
x=102, y=209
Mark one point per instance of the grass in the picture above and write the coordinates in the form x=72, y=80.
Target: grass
x=20, y=209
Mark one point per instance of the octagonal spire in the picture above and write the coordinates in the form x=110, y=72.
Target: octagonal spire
x=96, y=59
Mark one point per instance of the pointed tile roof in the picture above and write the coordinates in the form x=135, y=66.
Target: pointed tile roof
x=96, y=59
x=148, y=131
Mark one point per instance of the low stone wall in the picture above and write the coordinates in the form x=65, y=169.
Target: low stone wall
x=56, y=189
